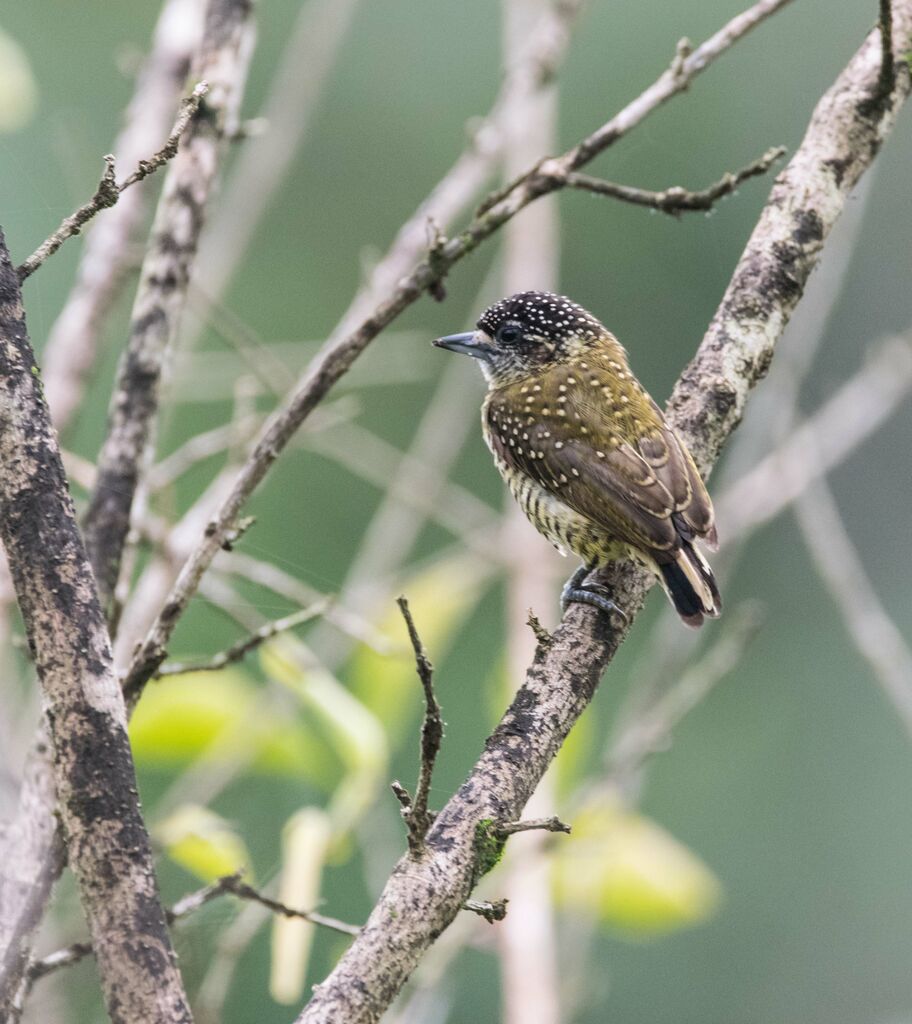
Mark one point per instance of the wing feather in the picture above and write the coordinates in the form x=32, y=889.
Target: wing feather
x=610, y=458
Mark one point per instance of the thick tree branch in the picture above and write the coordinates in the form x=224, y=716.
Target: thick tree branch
x=339, y=353
x=423, y=897
x=162, y=291
x=73, y=342
x=107, y=842
x=34, y=856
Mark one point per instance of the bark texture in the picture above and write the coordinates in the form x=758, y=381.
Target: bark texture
x=162, y=291
x=33, y=854
x=425, y=893
x=93, y=767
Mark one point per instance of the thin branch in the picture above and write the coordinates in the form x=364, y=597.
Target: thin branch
x=860, y=407
x=341, y=351
x=273, y=578
x=840, y=144
x=552, y=824
x=650, y=730
x=676, y=200
x=418, y=816
x=107, y=842
x=247, y=892
x=187, y=905
x=109, y=190
x=867, y=622
x=77, y=951
x=237, y=652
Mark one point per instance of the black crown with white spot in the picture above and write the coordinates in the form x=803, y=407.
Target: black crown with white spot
x=542, y=314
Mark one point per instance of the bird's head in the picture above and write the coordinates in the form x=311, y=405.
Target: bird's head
x=525, y=334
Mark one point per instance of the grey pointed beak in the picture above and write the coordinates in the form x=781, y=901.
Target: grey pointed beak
x=472, y=343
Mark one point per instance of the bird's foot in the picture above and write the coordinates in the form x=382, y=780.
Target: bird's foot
x=577, y=591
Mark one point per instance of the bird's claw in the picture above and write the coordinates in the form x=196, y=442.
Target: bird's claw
x=576, y=591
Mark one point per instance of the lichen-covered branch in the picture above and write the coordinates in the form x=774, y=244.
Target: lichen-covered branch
x=161, y=294
x=422, y=897
x=106, y=839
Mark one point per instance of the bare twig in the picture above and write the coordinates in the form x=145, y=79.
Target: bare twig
x=280, y=582
x=107, y=841
x=237, y=652
x=340, y=352
x=247, y=892
x=708, y=400
x=552, y=824
x=403, y=796
x=77, y=951
x=418, y=817
x=676, y=200
x=109, y=190
x=183, y=908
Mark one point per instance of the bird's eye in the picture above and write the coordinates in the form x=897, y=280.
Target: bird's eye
x=509, y=333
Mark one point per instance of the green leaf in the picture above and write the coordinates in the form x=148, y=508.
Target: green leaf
x=225, y=716
x=202, y=842
x=351, y=728
x=441, y=597
x=305, y=841
x=633, y=874
x=18, y=89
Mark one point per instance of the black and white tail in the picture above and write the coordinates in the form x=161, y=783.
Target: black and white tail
x=690, y=584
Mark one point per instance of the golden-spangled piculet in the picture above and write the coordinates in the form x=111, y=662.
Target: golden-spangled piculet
x=587, y=453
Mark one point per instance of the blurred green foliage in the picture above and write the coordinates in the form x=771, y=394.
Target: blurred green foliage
x=789, y=786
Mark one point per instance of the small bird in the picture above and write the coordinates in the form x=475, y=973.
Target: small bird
x=587, y=453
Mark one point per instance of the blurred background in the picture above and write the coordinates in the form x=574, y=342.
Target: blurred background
x=739, y=798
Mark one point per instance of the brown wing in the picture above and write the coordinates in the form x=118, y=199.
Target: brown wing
x=598, y=443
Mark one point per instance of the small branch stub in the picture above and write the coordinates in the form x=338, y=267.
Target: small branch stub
x=491, y=910
x=552, y=824
x=543, y=639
